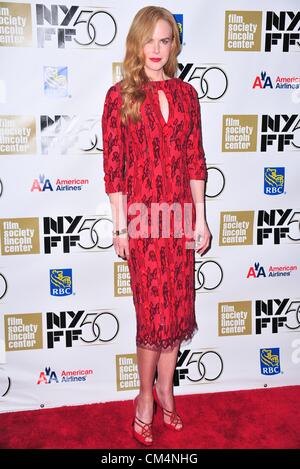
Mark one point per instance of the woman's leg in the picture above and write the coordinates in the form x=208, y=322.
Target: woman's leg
x=164, y=385
x=147, y=362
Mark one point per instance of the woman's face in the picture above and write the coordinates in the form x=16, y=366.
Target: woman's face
x=158, y=47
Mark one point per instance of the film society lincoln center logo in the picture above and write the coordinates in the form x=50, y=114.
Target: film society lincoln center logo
x=234, y=318
x=15, y=24
x=56, y=25
x=273, y=226
x=19, y=236
x=236, y=228
x=23, y=331
x=127, y=372
x=254, y=31
x=17, y=134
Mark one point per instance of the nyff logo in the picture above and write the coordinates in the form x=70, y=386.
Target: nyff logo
x=272, y=314
x=74, y=26
x=282, y=31
x=278, y=224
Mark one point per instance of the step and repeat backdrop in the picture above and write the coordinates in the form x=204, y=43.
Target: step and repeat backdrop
x=67, y=322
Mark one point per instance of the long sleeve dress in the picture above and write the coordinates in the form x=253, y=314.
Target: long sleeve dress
x=152, y=162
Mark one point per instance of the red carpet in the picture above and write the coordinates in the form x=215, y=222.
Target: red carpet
x=264, y=418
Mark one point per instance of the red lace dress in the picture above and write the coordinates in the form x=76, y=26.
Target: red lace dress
x=153, y=161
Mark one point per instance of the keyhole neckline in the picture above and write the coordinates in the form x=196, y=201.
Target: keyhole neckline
x=159, y=113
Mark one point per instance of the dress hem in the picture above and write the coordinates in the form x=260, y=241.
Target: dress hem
x=168, y=345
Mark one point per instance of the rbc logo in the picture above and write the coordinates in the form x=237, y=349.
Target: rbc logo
x=274, y=181
x=56, y=81
x=269, y=361
x=61, y=282
x=179, y=21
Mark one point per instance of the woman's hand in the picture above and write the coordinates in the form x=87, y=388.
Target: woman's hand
x=202, y=237
x=121, y=245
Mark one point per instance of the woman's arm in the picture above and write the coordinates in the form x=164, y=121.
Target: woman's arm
x=202, y=235
x=118, y=209
x=197, y=170
x=113, y=162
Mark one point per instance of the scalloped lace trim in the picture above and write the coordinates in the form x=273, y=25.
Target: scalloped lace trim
x=167, y=345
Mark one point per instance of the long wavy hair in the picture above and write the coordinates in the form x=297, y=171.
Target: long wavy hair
x=133, y=72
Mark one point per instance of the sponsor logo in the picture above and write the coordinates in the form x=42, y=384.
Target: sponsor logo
x=264, y=81
x=179, y=21
x=259, y=271
x=239, y=133
x=277, y=133
x=77, y=233
x=208, y=275
x=273, y=314
x=61, y=283
x=269, y=361
x=17, y=135
x=122, y=279
x=247, y=31
x=67, y=328
x=278, y=224
x=198, y=366
x=275, y=225
x=19, y=236
x=236, y=228
x=49, y=376
x=127, y=372
x=209, y=80
x=243, y=30
x=70, y=135
x=15, y=24
x=234, y=318
x=274, y=179
x=23, y=332
x=43, y=184
x=56, y=82
x=61, y=234
x=72, y=26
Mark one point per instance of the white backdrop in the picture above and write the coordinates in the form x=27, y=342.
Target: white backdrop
x=67, y=317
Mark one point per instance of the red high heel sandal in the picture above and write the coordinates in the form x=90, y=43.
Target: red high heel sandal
x=146, y=428
x=175, y=419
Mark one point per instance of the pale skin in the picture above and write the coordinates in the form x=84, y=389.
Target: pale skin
x=164, y=361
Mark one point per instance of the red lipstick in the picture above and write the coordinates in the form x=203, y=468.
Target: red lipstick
x=155, y=59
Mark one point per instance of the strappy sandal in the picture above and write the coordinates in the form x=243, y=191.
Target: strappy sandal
x=175, y=422
x=145, y=437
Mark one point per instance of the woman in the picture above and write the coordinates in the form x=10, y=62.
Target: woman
x=153, y=156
